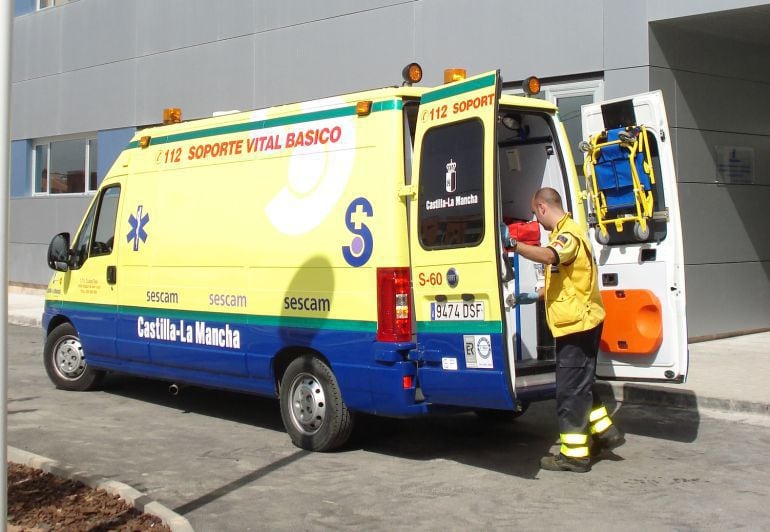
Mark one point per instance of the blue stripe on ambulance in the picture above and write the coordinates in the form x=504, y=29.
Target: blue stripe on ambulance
x=370, y=373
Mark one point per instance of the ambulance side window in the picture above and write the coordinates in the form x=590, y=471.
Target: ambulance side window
x=451, y=182
x=104, y=234
x=80, y=247
x=99, y=223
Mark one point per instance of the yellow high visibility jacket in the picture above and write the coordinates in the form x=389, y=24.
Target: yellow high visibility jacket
x=573, y=301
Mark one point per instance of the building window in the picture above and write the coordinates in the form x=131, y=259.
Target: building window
x=65, y=166
x=43, y=4
x=569, y=98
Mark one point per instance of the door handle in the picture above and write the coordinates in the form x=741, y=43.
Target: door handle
x=112, y=275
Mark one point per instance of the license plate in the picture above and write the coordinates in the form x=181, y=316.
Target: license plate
x=457, y=311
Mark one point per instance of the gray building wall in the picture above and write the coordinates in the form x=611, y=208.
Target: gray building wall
x=717, y=92
x=111, y=66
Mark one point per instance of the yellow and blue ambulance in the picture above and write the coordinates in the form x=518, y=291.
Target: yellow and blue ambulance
x=345, y=255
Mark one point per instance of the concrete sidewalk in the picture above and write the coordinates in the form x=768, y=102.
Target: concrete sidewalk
x=728, y=374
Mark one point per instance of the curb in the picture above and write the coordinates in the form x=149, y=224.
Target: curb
x=25, y=321
x=641, y=394
x=141, y=502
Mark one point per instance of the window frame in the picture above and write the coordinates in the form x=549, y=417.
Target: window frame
x=89, y=141
x=52, y=3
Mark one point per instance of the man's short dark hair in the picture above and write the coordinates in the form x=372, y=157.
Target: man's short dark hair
x=549, y=196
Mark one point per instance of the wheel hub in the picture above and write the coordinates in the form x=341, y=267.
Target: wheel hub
x=308, y=403
x=70, y=362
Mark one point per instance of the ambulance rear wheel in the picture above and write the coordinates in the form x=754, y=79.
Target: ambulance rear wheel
x=65, y=361
x=312, y=409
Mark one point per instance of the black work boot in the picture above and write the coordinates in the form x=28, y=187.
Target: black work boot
x=607, y=440
x=559, y=462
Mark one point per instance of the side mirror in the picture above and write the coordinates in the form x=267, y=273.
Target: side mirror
x=59, y=252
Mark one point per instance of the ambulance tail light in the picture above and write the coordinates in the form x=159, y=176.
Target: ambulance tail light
x=394, y=305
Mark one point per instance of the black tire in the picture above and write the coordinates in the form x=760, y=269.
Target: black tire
x=501, y=416
x=312, y=409
x=65, y=362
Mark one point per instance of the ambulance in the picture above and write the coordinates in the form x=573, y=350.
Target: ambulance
x=345, y=255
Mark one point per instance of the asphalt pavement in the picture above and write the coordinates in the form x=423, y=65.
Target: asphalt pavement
x=727, y=374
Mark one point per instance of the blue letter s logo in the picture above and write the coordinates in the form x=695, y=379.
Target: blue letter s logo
x=360, y=249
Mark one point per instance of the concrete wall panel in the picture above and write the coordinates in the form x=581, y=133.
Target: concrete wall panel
x=34, y=221
x=724, y=224
x=666, y=9
x=714, y=103
x=520, y=39
x=36, y=108
x=724, y=298
x=37, y=45
x=97, y=98
x=697, y=151
x=199, y=80
x=52, y=215
x=27, y=263
x=362, y=58
x=281, y=15
x=626, y=81
x=111, y=24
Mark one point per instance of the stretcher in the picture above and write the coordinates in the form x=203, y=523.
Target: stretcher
x=619, y=176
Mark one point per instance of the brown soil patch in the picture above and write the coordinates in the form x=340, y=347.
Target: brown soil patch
x=39, y=501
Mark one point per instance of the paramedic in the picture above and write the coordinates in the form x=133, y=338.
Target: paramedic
x=575, y=313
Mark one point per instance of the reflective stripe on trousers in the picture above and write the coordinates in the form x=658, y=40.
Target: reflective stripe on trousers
x=574, y=445
x=599, y=421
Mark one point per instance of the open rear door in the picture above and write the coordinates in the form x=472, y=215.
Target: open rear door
x=636, y=232
x=454, y=248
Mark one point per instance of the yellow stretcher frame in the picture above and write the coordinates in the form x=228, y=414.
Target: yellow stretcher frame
x=643, y=199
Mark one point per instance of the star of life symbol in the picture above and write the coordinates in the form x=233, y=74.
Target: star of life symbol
x=137, y=224
x=451, y=176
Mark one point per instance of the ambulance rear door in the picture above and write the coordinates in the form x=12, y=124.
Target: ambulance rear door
x=641, y=275
x=454, y=248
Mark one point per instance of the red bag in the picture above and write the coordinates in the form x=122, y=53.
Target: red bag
x=527, y=232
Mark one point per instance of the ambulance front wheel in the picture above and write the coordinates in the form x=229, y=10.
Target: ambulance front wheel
x=312, y=409
x=65, y=361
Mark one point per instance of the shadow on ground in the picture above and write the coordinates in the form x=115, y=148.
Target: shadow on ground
x=512, y=447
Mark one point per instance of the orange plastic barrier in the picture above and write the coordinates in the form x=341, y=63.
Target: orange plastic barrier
x=634, y=324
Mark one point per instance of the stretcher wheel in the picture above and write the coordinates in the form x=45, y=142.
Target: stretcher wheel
x=603, y=237
x=641, y=234
x=584, y=146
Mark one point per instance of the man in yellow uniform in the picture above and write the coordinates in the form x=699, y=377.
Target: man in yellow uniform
x=575, y=314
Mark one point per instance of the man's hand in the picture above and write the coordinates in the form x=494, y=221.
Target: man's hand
x=505, y=236
x=527, y=298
